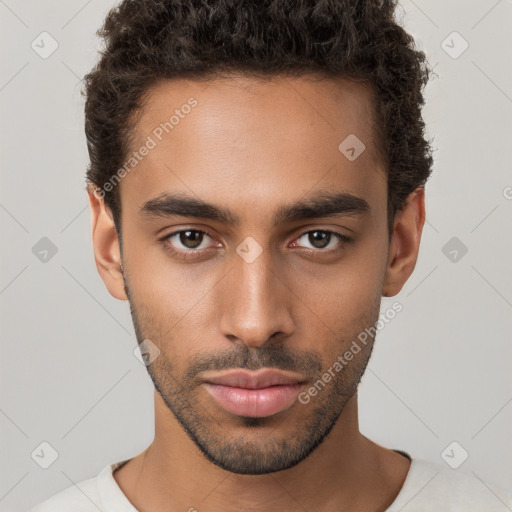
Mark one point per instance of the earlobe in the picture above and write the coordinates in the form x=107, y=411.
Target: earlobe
x=405, y=242
x=107, y=253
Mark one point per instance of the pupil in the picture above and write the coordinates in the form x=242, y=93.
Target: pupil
x=319, y=241
x=191, y=241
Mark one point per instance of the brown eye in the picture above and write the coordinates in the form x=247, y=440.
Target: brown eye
x=319, y=239
x=322, y=239
x=187, y=240
x=191, y=239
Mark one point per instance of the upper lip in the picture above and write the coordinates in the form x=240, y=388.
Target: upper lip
x=255, y=380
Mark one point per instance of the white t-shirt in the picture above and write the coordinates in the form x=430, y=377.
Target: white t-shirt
x=428, y=488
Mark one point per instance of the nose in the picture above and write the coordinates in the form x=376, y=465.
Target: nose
x=257, y=303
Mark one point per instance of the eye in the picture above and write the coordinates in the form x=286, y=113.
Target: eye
x=187, y=240
x=324, y=240
x=190, y=243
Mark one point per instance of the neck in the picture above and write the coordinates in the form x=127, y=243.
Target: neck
x=347, y=471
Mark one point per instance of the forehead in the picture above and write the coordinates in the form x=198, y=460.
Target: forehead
x=259, y=139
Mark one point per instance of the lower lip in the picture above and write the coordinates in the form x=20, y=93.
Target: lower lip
x=255, y=403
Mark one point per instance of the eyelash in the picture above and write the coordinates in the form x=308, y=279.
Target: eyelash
x=191, y=253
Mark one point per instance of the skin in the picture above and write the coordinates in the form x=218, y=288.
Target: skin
x=251, y=146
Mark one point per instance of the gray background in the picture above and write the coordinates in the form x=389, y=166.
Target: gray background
x=441, y=370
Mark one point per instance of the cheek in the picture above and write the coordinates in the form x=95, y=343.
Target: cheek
x=349, y=286
x=339, y=301
x=169, y=292
x=176, y=305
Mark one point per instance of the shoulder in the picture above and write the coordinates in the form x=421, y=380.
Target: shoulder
x=430, y=487
x=81, y=497
x=84, y=496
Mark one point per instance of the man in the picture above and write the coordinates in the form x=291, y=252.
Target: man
x=256, y=186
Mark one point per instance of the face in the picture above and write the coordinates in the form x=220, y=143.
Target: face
x=283, y=268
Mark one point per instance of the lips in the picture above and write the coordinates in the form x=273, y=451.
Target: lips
x=254, y=394
x=255, y=380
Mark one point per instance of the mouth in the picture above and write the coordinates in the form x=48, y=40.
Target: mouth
x=254, y=394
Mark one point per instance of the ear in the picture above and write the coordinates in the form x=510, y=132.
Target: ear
x=106, y=245
x=405, y=242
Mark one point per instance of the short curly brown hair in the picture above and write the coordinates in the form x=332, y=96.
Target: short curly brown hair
x=146, y=41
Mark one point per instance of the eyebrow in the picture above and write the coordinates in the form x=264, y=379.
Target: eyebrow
x=322, y=204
